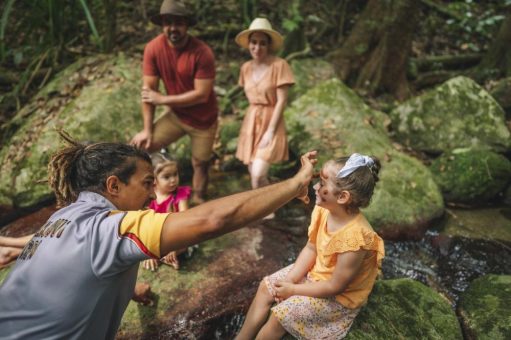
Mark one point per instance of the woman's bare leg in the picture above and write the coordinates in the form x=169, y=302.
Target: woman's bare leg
x=257, y=313
x=259, y=173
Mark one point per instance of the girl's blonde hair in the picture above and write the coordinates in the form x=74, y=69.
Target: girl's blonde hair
x=160, y=161
x=360, y=183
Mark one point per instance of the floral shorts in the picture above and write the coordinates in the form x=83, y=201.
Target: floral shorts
x=308, y=317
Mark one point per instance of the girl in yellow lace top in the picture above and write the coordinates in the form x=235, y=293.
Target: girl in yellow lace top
x=319, y=296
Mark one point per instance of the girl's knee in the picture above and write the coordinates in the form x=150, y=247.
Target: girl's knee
x=264, y=292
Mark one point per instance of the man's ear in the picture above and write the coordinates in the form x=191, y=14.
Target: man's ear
x=113, y=185
x=344, y=197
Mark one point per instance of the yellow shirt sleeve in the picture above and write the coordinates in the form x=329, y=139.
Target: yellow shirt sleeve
x=144, y=228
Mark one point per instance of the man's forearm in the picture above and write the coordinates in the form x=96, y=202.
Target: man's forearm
x=148, y=116
x=185, y=99
x=220, y=216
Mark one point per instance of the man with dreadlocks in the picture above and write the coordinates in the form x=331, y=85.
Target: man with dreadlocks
x=76, y=276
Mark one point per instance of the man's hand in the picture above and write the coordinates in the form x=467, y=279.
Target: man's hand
x=151, y=97
x=142, y=140
x=284, y=290
x=305, y=174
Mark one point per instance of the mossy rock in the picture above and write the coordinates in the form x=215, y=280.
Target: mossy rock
x=95, y=99
x=485, y=308
x=456, y=114
x=489, y=223
x=405, y=309
x=471, y=176
x=332, y=119
x=308, y=73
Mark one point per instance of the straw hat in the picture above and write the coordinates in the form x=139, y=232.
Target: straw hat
x=176, y=8
x=260, y=25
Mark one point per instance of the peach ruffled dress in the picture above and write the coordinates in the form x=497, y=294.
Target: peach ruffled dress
x=262, y=97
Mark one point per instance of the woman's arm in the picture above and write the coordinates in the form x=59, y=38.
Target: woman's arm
x=348, y=264
x=276, y=116
x=303, y=263
x=223, y=215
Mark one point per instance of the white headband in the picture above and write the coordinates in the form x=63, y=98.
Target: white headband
x=354, y=162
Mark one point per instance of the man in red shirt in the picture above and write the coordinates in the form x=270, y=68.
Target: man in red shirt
x=186, y=65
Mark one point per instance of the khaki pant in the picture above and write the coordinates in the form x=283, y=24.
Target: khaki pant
x=169, y=128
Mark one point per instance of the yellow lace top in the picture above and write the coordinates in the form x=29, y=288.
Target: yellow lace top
x=356, y=235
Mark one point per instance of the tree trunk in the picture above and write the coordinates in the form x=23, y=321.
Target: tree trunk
x=498, y=58
x=374, y=56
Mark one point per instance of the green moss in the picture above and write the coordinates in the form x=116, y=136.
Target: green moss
x=332, y=119
x=458, y=113
x=3, y=273
x=471, y=176
x=485, y=307
x=487, y=223
x=405, y=309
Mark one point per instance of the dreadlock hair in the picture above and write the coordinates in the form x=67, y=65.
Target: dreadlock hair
x=161, y=160
x=360, y=183
x=79, y=167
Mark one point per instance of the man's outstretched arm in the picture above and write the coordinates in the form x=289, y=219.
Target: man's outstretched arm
x=229, y=213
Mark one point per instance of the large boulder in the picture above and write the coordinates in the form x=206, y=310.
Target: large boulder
x=332, y=119
x=485, y=309
x=471, y=176
x=456, y=114
x=489, y=223
x=405, y=309
x=95, y=99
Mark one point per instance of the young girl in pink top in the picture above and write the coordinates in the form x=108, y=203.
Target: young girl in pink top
x=170, y=197
x=319, y=296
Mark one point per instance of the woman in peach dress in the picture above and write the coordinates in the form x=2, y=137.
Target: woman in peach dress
x=266, y=80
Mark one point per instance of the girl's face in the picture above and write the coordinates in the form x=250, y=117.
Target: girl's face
x=259, y=45
x=326, y=190
x=167, y=180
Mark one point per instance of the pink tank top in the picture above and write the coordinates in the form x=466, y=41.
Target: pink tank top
x=171, y=204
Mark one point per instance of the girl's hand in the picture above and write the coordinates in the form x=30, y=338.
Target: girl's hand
x=150, y=264
x=151, y=97
x=171, y=260
x=266, y=139
x=284, y=290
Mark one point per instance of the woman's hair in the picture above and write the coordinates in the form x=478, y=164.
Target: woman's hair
x=160, y=161
x=360, y=183
x=79, y=167
x=266, y=34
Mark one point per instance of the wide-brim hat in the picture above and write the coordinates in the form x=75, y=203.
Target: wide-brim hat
x=176, y=8
x=260, y=25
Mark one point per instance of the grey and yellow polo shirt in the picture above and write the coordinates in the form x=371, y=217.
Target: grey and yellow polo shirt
x=76, y=276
